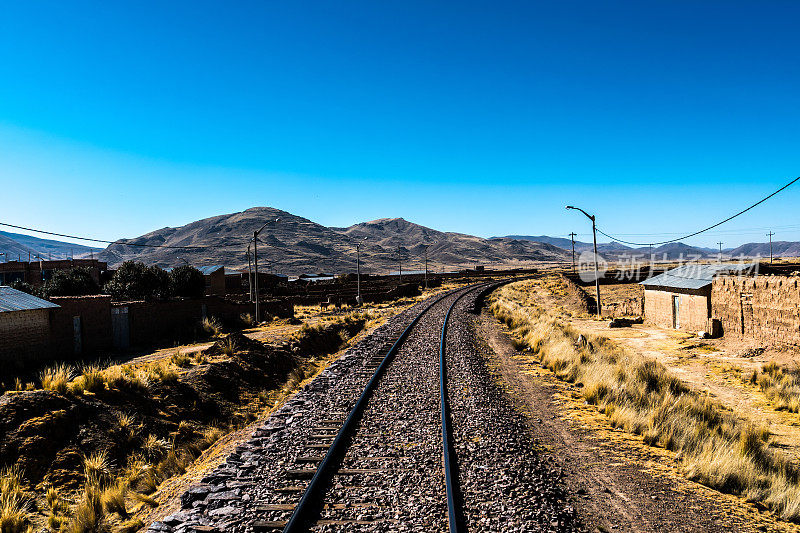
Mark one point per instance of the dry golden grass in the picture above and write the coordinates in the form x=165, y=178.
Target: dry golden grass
x=180, y=360
x=779, y=384
x=15, y=504
x=212, y=326
x=56, y=378
x=639, y=395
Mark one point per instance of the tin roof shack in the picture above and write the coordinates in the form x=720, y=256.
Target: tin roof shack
x=215, y=279
x=681, y=298
x=24, y=327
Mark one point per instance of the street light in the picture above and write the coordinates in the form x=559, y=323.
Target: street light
x=596, y=276
x=359, y=300
x=255, y=259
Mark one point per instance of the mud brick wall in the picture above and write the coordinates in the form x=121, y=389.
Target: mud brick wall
x=180, y=320
x=626, y=307
x=24, y=336
x=763, y=308
x=693, y=309
x=95, y=314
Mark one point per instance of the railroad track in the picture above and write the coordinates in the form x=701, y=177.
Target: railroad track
x=347, y=432
x=371, y=445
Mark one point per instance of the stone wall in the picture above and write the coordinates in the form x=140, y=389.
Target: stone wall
x=24, y=335
x=693, y=309
x=763, y=308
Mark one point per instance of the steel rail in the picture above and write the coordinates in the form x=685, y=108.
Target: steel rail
x=308, y=505
x=448, y=455
x=454, y=517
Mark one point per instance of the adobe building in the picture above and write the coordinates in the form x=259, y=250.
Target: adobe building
x=681, y=298
x=24, y=326
x=215, y=279
x=37, y=272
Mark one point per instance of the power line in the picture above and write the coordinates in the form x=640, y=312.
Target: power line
x=705, y=229
x=141, y=245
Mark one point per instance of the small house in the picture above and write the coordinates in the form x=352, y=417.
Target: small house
x=24, y=326
x=681, y=298
x=215, y=279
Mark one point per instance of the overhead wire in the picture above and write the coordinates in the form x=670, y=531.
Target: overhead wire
x=89, y=239
x=615, y=239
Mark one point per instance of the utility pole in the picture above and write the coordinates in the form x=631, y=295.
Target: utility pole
x=572, y=236
x=255, y=261
x=770, y=234
x=359, y=300
x=400, y=263
x=249, y=273
x=596, y=275
x=719, y=260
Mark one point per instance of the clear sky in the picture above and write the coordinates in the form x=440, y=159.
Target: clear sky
x=117, y=118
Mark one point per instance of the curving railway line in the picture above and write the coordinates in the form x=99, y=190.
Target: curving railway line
x=386, y=440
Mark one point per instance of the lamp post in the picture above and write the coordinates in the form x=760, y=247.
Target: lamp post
x=596, y=276
x=359, y=300
x=255, y=260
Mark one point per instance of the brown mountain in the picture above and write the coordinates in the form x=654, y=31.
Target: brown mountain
x=295, y=245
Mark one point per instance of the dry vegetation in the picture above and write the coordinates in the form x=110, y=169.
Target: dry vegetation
x=111, y=491
x=780, y=385
x=638, y=394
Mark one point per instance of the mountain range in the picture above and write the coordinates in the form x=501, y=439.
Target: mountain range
x=296, y=245
x=617, y=251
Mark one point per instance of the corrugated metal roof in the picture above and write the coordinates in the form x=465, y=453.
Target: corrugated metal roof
x=209, y=269
x=695, y=275
x=206, y=270
x=14, y=300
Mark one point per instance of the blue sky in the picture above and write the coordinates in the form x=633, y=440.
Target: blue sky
x=479, y=117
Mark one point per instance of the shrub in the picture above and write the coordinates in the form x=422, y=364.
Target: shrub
x=247, y=320
x=71, y=282
x=187, y=281
x=136, y=281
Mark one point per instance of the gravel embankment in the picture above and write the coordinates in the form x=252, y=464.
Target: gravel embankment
x=255, y=483
x=391, y=478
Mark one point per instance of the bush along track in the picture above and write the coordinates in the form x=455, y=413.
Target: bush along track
x=716, y=447
x=90, y=446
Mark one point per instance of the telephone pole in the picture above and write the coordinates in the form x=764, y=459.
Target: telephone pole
x=572, y=236
x=720, y=252
x=770, y=234
x=255, y=261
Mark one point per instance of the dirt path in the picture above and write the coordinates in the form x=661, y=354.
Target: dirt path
x=620, y=484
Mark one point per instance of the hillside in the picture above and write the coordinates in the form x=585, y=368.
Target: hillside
x=761, y=249
x=13, y=250
x=296, y=245
x=18, y=245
